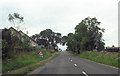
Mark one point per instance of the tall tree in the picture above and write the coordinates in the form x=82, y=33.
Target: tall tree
x=94, y=32
x=48, y=38
x=87, y=36
x=16, y=20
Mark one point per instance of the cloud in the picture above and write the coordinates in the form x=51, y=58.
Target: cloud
x=63, y=15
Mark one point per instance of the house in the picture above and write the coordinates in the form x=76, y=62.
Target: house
x=113, y=49
x=32, y=42
x=22, y=36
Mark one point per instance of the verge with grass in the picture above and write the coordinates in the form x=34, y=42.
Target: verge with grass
x=23, y=59
x=36, y=65
x=108, y=58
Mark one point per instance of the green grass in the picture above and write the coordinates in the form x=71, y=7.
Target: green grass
x=109, y=58
x=24, y=59
x=29, y=68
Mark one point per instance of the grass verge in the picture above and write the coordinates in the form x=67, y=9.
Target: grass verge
x=23, y=59
x=36, y=65
x=108, y=58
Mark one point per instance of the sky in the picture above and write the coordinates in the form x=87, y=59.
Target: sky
x=62, y=15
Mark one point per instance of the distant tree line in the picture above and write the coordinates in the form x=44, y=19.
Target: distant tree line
x=87, y=36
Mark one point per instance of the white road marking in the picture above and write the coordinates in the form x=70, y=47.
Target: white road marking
x=84, y=73
x=70, y=60
x=75, y=64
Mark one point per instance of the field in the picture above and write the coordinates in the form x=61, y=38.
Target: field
x=109, y=58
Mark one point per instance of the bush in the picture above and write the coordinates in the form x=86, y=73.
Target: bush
x=4, y=49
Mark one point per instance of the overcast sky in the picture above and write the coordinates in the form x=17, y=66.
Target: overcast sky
x=63, y=15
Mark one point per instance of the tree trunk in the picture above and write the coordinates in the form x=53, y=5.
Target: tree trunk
x=78, y=51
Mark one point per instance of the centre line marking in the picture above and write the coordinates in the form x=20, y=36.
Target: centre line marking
x=84, y=73
x=75, y=64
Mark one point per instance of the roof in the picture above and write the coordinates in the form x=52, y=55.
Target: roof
x=19, y=32
x=28, y=36
x=112, y=47
x=15, y=30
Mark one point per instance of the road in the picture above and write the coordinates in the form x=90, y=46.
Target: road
x=67, y=63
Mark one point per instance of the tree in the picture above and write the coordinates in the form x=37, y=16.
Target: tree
x=64, y=40
x=87, y=36
x=70, y=41
x=16, y=20
x=35, y=37
x=48, y=38
x=57, y=38
x=43, y=42
x=48, y=35
x=6, y=43
x=81, y=35
x=94, y=33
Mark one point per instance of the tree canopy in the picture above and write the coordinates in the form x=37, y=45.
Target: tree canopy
x=87, y=36
x=47, y=37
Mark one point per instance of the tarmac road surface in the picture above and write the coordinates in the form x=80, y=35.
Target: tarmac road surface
x=67, y=63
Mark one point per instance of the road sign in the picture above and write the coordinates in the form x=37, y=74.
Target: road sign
x=41, y=54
